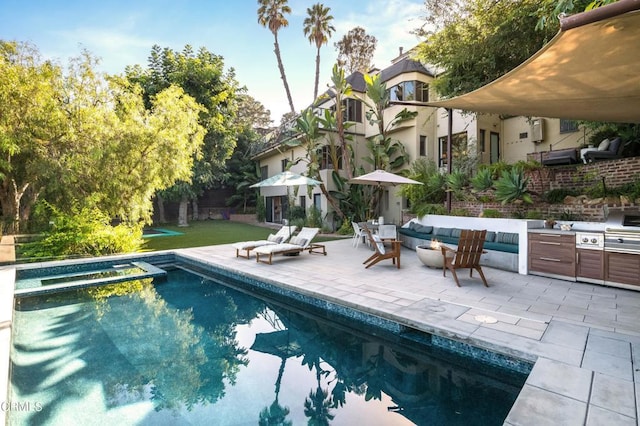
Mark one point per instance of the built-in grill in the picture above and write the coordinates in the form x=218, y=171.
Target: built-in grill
x=622, y=231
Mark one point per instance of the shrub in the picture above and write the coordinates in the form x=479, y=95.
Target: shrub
x=482, y=180
x=490, y=213
x=568, y=215
x=314, y=217
x=457, y=183
x=87, y=232
x=421, y=198
x=557, y=196
x=425, y=209
x=346, y=228
x=512, y=186
x=534, y=214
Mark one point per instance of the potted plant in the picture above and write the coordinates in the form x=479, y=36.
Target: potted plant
x=549, y=223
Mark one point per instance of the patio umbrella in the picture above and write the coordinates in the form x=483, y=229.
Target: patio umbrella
x=286, y=179
x=383, y=178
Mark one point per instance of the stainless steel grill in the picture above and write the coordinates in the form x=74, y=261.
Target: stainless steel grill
x=622, y=231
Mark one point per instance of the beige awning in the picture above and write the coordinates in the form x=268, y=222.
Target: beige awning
x=589, y=71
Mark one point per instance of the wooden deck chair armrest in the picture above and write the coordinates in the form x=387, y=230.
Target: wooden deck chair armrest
x=445, y=249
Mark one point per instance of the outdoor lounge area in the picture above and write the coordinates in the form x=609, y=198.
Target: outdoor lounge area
x=506, y=239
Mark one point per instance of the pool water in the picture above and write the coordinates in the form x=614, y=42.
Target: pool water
x=189, y=350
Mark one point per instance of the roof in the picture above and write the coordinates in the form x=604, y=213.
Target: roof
x=403, y=66
x=589, y=71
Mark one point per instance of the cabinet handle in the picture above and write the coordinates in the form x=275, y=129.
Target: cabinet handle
x=550, y=259
x=577, y=257
x=550, y=243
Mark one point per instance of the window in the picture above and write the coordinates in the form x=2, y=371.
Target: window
x=458, y=148
x=483, y=136
x=326, y=161
x=422, y=92
x=283, y=164
x=423, y=146
x=568, y=126
x=409, y=91
x=352, y=110
x=264, y=172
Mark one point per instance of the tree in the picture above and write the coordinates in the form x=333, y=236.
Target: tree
x=482, y=41
x=202, y=76
x=252, y=120
x=385, y=153
x=78, y=128
x=355, y=50
x=29, y=117
x=318, y=29
x=271, y=15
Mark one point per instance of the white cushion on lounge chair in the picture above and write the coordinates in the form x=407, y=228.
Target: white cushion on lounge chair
x=304, y=236
x=282, y=233
x=277, y=248
x=243, y=245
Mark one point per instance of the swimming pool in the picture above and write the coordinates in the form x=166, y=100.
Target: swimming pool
x=188, y=350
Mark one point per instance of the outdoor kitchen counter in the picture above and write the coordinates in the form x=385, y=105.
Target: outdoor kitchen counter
x=552, y=253
x=551, y=231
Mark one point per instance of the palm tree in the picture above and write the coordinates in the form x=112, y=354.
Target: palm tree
x=271, y=15
x=318, y=29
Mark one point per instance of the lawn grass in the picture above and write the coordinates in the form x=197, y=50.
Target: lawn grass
x=212, y=232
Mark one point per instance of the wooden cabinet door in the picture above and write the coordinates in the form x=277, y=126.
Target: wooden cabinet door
x=590, y=264
x=552, y=254
x=622, y=268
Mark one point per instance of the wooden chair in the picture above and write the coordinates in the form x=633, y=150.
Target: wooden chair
x=382, y=252
x=466, y=256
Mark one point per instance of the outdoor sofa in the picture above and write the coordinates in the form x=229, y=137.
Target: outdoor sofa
x=561, y=157
x=502, y=248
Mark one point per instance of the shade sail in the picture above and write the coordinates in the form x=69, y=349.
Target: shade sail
x=383, y=178
x=589, y=71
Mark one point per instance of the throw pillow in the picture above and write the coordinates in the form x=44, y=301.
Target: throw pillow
x=443, y=232
x=299, y=241
x=274, y=239
x=425, y=229
x=456, y=232
x=490, y=237
x=604, y=145
x=614, y=145
x=507, y=238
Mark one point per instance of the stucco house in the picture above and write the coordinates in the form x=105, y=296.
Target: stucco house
x=492, y=137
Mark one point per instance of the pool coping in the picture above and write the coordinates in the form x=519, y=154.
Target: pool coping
x=558, y=390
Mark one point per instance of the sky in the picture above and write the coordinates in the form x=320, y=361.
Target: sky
x=121, y=33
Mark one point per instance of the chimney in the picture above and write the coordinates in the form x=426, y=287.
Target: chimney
x=400, y=54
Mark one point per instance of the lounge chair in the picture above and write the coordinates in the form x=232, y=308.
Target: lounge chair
x=382, y=252
x=608, y=151
x=466, y=256
x=297, y=245
x=282, y=236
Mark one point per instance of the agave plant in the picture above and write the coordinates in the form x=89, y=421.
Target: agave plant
x=513, y=186
x=482, y=180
